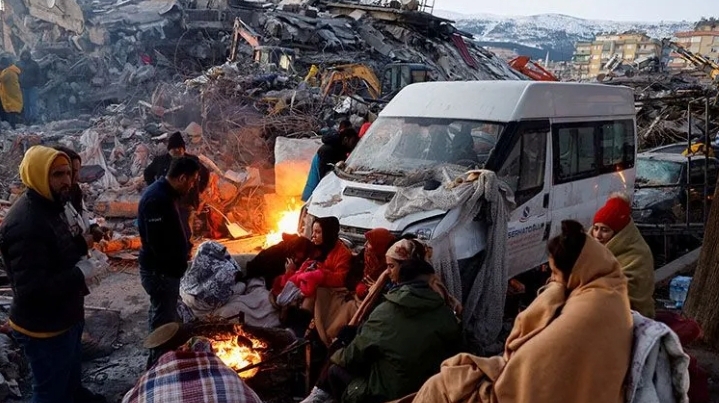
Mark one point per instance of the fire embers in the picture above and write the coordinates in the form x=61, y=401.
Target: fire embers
x=239, y=350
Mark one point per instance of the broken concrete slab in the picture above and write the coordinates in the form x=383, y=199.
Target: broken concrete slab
x=117, y=204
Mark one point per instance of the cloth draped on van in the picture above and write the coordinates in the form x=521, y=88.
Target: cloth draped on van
x=463, y=199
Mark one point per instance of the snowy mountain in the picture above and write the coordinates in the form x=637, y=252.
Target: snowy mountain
x=555, y=33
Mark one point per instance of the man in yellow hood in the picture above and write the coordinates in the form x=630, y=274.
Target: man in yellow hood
x=10, y=92
x=47, y=271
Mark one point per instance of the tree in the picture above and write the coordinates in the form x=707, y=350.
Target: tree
x=703, y=298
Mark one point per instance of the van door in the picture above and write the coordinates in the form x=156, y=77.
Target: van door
x=526, y=169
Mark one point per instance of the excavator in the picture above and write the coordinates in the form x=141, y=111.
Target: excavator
x=702, y=63
x=351, y=79
x=281, y=57
x=531, y=69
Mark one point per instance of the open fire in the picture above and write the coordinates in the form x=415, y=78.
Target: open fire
x=286, y=223
x=239, y=350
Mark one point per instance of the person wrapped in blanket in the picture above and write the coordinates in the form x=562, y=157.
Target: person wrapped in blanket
x=328, y=268
x=191, y=373
x=400, y=345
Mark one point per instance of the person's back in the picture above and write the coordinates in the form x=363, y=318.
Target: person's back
x=410, y=334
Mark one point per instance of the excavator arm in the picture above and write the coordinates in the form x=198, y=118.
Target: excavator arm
x=244, y=31
x=345, y=74
x=702, y=63
x=526, y=66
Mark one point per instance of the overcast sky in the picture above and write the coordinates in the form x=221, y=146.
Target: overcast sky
x=618, y=10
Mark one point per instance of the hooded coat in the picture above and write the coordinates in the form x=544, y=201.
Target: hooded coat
x=41, y=254
x=637, y=264
x=401, y=344
x=10, y=92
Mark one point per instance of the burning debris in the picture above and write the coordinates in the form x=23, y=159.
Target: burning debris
x=239, y=350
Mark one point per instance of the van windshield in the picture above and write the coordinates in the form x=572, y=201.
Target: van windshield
x=400, y=146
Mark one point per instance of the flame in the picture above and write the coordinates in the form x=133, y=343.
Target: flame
x=239, y=352
x=287, y=223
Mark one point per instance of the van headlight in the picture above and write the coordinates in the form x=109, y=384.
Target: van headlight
x=423, y=230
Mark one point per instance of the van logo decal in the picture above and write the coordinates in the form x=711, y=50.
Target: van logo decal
x=525, y=214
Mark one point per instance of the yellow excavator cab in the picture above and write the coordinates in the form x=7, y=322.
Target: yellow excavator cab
x=350, y=79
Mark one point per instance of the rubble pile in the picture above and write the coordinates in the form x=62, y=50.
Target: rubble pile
x=663, y=101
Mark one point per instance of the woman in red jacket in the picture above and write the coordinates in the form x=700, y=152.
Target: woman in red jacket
x=329, y=269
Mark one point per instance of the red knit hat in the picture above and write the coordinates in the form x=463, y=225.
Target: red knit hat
x=615, y=214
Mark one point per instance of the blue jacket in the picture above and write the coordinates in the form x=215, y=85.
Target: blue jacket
x=313, y=179
x=164, y=234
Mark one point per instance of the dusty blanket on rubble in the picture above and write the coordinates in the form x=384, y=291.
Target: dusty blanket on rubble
x=637, y=263
x=572, y=344
x=334, y=308
x=660, y=369
x=190, y=377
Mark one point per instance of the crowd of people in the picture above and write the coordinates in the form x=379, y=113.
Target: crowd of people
x=387, y=326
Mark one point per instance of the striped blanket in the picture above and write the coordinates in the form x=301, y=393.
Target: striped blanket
x=190, y=377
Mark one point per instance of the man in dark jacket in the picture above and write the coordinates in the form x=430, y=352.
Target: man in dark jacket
x=165, y=240
x=30, y=80
x=159, y=166
x=47, y=272
x=335, y=148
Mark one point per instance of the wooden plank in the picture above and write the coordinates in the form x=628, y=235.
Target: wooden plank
x=675, y=266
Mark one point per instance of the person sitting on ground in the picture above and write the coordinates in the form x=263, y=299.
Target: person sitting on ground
x=10, y=92
x=328, y=269
x=270, y=263
x=411, y=248
x=191, y=374
x=400, y=346
x=335, y=307
x=614, y=228
x=572, y=344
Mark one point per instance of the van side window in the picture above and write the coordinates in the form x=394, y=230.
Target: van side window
x=584, y=150
x=523, y=170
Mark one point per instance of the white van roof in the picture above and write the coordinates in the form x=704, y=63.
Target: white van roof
x=506, y=101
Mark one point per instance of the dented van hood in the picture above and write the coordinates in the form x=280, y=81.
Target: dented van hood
x=360, y=205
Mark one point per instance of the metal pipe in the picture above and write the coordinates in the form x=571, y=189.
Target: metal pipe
x=707, y=147
x=689, y=163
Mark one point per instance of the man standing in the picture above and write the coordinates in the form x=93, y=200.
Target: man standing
x=10, y=93
x=335, y=148
x=165, y=241
x=30, y=80
x=159, y=166
x=47, y=273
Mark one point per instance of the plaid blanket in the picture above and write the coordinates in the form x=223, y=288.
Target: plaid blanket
x=190, y=377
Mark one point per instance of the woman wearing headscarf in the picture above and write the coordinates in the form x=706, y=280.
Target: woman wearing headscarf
x=400, y=345
x=572, y=344
x=614, y=228
x=406, y=249
x=328, y=269
x=335, y=307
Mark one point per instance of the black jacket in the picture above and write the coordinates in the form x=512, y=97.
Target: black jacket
x=165, y=236
x=30, y=74
x=158, y=169
x=331, y=152
x=41, y=255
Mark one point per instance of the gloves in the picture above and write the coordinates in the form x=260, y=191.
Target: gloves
x=87, y=268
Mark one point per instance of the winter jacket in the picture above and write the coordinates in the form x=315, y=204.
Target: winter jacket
x=31, y=75
x=165, y=236
x=331, y=152
x=402, y=344
x=158, y=169
x=331, y=273
x=637, y=263
x=313, y=179
x=10, y=93
x=40, y=255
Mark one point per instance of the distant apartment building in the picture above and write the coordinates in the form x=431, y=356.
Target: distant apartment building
x=590, y=57
x=704, y=40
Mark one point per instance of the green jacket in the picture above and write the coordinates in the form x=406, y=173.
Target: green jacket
x=402, y=344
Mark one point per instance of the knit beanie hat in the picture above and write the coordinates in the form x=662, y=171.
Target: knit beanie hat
x=615, y=214
x=175, y=141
